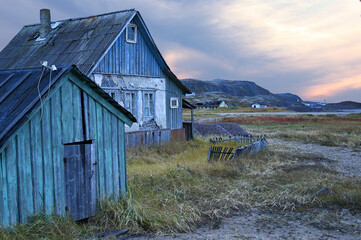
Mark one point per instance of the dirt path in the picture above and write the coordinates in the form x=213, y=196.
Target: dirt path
x=344, y=160
x=312, y=224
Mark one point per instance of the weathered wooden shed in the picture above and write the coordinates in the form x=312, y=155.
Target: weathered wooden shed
x=62, y=144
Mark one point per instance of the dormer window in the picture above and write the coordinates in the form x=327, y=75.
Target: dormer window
x=131, y=33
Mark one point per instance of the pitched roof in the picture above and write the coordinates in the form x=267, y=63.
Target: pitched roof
x=79, y=41
x=20, y=92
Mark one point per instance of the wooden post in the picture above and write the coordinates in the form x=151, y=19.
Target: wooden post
x=192, y=122
x=209, y=154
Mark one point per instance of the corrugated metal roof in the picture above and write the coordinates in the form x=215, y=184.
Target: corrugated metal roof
x=79, y=41
x=20, y=92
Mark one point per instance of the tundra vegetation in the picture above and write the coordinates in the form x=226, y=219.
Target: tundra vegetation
x=172, y=188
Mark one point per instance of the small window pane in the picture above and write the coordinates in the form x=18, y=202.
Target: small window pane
x=131, y=33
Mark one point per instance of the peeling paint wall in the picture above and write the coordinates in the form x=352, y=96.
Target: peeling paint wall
x=140, y=85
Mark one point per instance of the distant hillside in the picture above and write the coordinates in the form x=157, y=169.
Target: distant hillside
x=343, y=105
x=289, y=97
x=237, y=93
x=234, y=88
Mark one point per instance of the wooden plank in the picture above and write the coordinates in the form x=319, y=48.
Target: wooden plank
x=85, y=115
x=100, y=145
x=57, y=152
x=115, y=155
x=92, y=126
x=67, y=112
x=108, y=175
x=93, y=180
x=26, y=203
x=37, y=163
x=77, y=117
x=47, y=159
x=4, y=204
x=122, y=159
x=87, y=176
x=82, y=203
x=12, y=181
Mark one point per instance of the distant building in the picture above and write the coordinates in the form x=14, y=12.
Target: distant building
x=210, y=105
x=258, y=105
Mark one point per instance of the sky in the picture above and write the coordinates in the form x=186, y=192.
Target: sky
x=311, y=48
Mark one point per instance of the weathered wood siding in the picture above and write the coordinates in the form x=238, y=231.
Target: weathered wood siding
x=174, y=115
x=130, y=58
x=32, y=175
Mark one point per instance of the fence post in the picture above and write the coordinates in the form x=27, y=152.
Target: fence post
x=209, y=154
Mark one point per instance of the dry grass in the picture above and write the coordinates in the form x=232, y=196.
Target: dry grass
x=329, y=130
x=172, y=188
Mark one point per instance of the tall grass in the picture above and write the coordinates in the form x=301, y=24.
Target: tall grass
x=172, y=188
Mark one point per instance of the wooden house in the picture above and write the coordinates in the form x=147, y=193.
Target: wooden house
x=116, y=51
x=62, y=144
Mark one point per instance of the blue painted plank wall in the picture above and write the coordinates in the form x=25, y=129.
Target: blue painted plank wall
x=130, y=58
x=32, y=176
x=174, y=115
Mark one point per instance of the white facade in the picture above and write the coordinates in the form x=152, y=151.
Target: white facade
x=140, y=86
x=257, y=105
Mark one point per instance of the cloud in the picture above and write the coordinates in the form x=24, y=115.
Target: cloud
x=334, y=86
x=286, y=46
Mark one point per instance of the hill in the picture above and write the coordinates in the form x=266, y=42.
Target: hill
x=343, y=105
x=237, y=93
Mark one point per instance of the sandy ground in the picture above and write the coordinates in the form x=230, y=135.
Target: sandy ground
x=312, y=224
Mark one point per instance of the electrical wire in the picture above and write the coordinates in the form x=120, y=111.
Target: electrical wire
x=41, y=102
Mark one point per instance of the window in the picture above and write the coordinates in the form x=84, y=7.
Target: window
x=131, y=102
x=113, y=93
x=148, y=105
x=131, y=33
x=174, y=102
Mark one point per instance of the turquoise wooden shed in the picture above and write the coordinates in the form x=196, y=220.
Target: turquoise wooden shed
x=62, y=144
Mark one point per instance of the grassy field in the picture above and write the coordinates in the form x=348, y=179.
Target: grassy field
x=172, y=188
x=328, y=130
x=237, y=109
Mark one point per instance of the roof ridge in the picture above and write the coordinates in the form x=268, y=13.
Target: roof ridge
x=34, y=69
x=79, y=18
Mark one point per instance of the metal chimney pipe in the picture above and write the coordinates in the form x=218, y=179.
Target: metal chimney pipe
x=45, y=23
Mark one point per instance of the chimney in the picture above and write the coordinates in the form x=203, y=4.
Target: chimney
x=45, y=23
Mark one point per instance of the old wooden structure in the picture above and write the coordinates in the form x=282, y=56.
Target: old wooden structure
x=62, y=144
x=116, y=51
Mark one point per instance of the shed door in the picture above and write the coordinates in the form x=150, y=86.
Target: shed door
x=80, y=180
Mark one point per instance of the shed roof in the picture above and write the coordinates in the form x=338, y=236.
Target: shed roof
x=21, y=91
x=188, y=105
x=77, y=41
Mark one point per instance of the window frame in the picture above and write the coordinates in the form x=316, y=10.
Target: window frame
x=151, y=110
x=116, y=91
x=131, y=25
x=135, y=114
x=171, y=102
